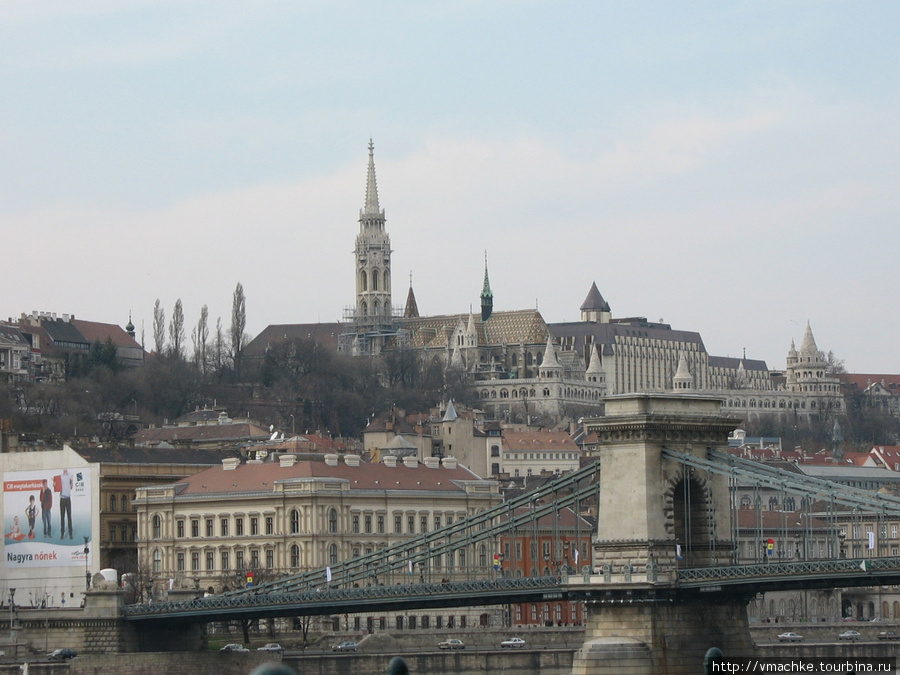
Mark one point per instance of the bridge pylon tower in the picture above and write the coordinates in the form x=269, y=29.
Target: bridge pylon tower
x=656, y=515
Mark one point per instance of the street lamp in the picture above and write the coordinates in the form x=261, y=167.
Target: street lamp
x=12, y=606
x=87, y=571
x=841, y=537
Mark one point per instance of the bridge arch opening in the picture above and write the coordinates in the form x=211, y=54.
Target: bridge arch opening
x=691, y=517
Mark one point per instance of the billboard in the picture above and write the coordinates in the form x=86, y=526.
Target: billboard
x=46, y=517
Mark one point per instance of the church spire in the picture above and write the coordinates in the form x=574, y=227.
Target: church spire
x=487, y=297
x=371, y=206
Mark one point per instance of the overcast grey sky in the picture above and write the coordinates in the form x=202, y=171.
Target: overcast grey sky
x=729, y=167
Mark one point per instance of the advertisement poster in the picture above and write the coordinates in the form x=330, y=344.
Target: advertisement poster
x=46, y=516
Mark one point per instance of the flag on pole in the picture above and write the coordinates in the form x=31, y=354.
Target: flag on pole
x=576, y=557
x=871, y=540
x=328, y=574
x=678, y=552
x=410, y=566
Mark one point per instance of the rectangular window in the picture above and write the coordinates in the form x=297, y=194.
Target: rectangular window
x=209, y=527
x=195, y=561
x=355, y=523
x=112, y=533
x=270, y=559
x=398, y=524
x=437, y=522
x=239, y=560
x=124, y=531
x=411, y=524
x=449, y=520
x=380, y=524
x=518, y=550
x=180, y=561
x=893, y=531
x=224, y=560
x=239, y=527
x=270, y=525
x=223, y=527
x=195, y=528
x=210, y=561
x=179, y=527
x=254, y=526
x=368, y=521
x=254, y=559
x=423, y=523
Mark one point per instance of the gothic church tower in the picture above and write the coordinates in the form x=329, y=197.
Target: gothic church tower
x=373, y=261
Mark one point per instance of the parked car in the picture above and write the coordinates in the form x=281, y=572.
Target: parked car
x=234, y=647
x=63, y=654
x=345, y=646
x=850, y=635
x=790, y=637
x=270, y=647
x=452, y=643
x=513, y=643
x=889, y=635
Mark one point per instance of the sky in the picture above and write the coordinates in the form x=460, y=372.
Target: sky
x=728, y=167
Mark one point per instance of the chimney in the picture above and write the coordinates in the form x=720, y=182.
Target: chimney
x=449, y=462
x=331, y=459
x=287, y=460
x=351, y=460
x=390, y=460
x=230, y=463
x=411, y=461
x=432, y=462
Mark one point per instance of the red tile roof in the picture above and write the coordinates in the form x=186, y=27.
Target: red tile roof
x=262, y=477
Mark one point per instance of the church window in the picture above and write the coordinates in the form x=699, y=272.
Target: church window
x=375, y=280
x=375, y=308
x=387, y=280
x=363, y=309
x=504, y=393
x=363, y=281
x=546, y=391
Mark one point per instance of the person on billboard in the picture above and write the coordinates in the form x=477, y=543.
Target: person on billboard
x=65, y=503
x=45, y=496
x=15, y=532
x=31, y=514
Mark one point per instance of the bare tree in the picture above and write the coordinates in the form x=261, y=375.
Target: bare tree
x=220, y=359
x=159, y=327
x=833, y=364
x=176, y=331
x=238, y=325
x=200, y=338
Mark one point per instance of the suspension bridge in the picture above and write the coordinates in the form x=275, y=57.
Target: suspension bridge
x=665, y=565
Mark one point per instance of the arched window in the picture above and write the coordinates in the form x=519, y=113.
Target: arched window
x=295, y=556
x=363, y=309
x=375, y=280
x=332, y=554
x=332, y=521
x=295, y=521
x=113, y=502
x=157, y=527
x=363, y=281
x=495, y=451
x=123, y=502
x=387, y=280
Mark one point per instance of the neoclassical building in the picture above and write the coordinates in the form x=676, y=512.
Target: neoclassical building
x=287, y=516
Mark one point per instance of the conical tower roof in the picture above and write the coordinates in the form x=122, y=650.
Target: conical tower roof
x=808, y=346
x=450, y=414
x=594, y=367
x=371, y=206
x=594, y=301
x=412, y=309
x=550, y=360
